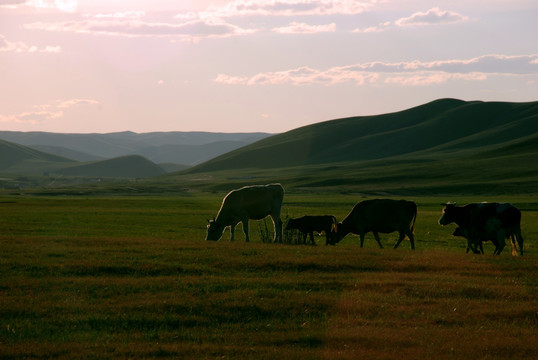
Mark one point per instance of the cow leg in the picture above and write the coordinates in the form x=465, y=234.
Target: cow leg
x=232, y=231
x=501, y=235
x=312, y=238
x=519, y=239
x=400, y=238
x=361, y=235
x=513, y=244
x=376, y=236
x=278, y=228
x=471, y=244
x=245, y=229
x=411, y=237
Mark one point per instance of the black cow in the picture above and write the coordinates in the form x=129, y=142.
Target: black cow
x=486, y=221
x=308, y=224
x=380, y=216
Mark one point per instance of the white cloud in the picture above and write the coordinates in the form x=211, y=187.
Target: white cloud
x=11, y=3
x=74, y=102
x=302, y=28
x=118, y=15
x=191, y=30
x=62, y=5
x=432, y=17
x=282, y=8
x=21, y=47
x=44, y=113
x=373, y=29
x=404, y=73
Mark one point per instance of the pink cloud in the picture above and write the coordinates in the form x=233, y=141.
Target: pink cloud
x=282, y=8
x=74, y=102
x=404, y=73
x=302, y=28
x=43, y=113
x=299, y=76
x=432, y=17
x=136, y=28
x=21, y=47
x=11, y=3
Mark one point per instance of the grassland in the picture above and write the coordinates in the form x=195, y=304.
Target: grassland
x=131, y=277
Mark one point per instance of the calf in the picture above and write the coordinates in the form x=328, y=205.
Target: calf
x=463, y=233
x=308, y=224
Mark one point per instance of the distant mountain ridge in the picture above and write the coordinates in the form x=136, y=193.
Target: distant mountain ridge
x=187, y=148
x=442, y=128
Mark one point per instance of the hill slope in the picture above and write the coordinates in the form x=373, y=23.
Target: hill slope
x=14, y=157
x=445, y=128
x=132, y=166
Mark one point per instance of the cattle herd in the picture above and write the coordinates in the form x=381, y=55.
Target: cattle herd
x=477, y=222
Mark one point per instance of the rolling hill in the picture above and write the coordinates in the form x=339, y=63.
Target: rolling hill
x=22, y=160
x=442, y=129
x=131, y=166
x=17, y=158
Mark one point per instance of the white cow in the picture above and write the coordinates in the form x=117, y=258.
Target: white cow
x=249, y=202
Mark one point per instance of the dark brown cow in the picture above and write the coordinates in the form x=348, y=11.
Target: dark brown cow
x=486, y=221
x=308, y=224
x=380, y=216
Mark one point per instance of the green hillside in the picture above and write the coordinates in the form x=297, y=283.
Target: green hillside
x=132, y=166
x=442, y=128
x=22, y=160
x=17, y=158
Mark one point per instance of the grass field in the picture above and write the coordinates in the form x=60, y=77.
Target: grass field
x=132, y=277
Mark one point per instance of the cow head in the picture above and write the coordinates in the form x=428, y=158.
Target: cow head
x=448, y=214
x=291, y=225
x=337, y=233
x=214, y=230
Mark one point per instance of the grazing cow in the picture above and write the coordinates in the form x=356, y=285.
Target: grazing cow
x=308, y=224
x=250, y=202
x=486, y=221
x=380, y=216
x=463, y=233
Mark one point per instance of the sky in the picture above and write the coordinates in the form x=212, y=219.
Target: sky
x=100, y=66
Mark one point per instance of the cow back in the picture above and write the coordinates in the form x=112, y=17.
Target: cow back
x=253, y=202
x=381, y=215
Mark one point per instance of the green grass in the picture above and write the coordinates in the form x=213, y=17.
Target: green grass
x=133, y=277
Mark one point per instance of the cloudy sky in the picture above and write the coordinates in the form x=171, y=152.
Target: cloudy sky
x=254, y=65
